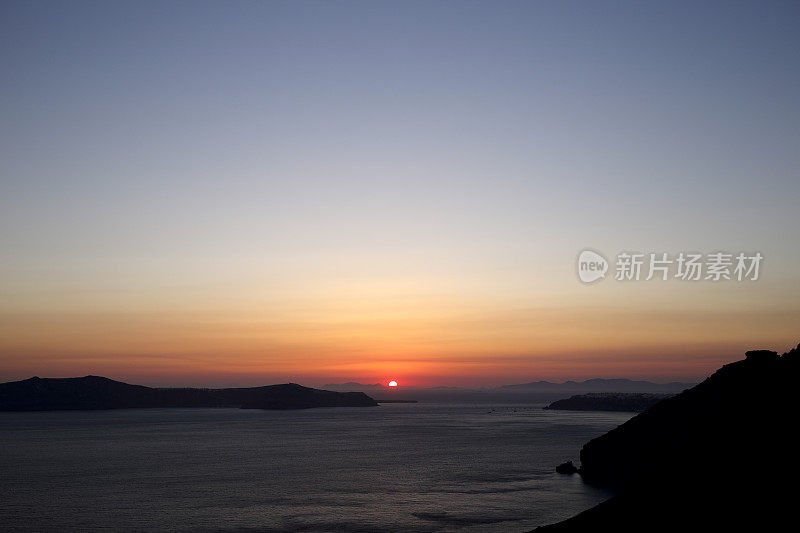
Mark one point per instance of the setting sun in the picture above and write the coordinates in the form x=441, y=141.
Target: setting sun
x=393, y=384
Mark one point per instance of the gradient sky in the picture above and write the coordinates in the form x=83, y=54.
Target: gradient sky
x=216, y=193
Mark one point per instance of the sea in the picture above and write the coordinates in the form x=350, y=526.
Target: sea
x=424, y=467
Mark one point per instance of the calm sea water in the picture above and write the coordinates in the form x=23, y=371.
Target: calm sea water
x=398, y=467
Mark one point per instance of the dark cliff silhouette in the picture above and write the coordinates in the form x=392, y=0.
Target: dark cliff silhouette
x=94, y=392
x=608, y=401
x=718, y=456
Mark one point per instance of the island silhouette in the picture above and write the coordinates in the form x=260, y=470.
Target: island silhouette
x=96, y=392
x=608, y=401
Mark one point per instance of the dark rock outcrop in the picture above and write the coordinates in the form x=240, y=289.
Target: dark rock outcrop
x=567, y=468
x=94, y=392
x=761, y=355
x=609, y=401
x=704, y=459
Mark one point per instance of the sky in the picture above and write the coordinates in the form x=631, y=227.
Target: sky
x=238, y=193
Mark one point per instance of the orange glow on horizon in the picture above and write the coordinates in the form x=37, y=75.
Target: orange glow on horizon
x=361, y=333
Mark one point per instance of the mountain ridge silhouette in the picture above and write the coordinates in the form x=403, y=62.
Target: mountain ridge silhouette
x=97, y=392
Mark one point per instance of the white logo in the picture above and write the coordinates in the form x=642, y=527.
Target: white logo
x=660, y=266
x=591, y=266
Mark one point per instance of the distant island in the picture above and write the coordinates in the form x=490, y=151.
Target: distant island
x=608, y=401
x=717, y=457
x=95, y=392
x=600, y=385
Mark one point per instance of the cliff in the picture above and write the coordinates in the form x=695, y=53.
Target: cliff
x=719, y=455
x=94, y=392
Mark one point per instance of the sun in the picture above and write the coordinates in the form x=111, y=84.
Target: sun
x=393, y=383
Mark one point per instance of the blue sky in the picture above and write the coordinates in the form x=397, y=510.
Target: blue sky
x=177, y=157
